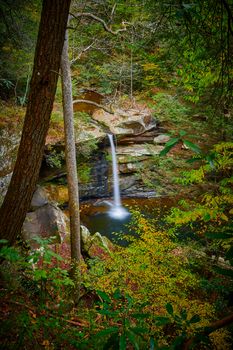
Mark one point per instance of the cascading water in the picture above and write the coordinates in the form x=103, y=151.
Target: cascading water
x=117, y=211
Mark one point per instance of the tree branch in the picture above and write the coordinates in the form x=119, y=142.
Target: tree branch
x=209, y=329
x=94, y=104
x=100, y=20
x=83, y=51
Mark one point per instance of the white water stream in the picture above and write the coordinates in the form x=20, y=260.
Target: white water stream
x=117, y=211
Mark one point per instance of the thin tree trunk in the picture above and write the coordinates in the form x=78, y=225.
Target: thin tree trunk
x=71, y=163
x=43, y=84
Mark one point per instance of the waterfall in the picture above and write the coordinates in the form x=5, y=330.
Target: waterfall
x=116, y=211
x=116, y=186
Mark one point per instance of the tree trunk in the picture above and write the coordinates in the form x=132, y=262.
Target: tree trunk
x=43, y=84
x=71, y=163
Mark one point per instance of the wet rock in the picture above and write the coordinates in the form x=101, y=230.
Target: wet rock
x=47, y=221
x=128, y=182
x=95, y=245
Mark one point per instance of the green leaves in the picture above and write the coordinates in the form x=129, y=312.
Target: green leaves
x=195, y=319
x=180, y=139
x=192, y=146
x=169, y=145
x=226, y=234
x=225, y=272
x=162, y=320
x=218, y=235
x=9, y=253
x=104, y=296
x=169, y=308
x=129, y=325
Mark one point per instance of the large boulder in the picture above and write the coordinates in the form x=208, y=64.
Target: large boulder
x=39, y=198
x=47, y=221
x=126, y=122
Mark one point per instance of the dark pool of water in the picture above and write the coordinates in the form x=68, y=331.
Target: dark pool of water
x=97, y=219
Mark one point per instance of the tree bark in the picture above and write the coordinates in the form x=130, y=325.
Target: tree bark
x=71, y=163
x=43, y=84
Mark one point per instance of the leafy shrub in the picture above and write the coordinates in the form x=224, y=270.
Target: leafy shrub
x=168, y=107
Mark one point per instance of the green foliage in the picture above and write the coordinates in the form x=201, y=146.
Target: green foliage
x=87, y=147
x=38, y=266
x=55, y=159
x=8, y=253
x=84, y=171
x=197, y=74
x=151, y=270
x=180, y=139
x=168, y=107
x=211, y=213
x=18, y=31
x=129, y=323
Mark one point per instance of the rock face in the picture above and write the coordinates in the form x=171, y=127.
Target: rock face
x=138, y=150
x=45, y=221
x=9, y=141
x=138, y=139
x=130, y=122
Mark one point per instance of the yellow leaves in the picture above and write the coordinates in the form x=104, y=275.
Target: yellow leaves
x=58, y=193
x=6, y=48
x=223, y=217
x=223, y=147
x=150, y=66
x=47, y=345
x=189, y=87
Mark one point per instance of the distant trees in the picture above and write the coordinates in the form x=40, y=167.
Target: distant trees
x=18, y=31
x=43, y=84
x=188, y=44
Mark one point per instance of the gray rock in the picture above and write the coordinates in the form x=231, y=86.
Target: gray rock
x=161, y=139
x=138, y=150
x=127, y=122
x=94, y=245
x=129, y=168
x=4, y=183
x=39, y=198
x=45, y=222
x=85, y=238
x=9, y=141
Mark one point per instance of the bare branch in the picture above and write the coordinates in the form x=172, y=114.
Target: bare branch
x=106, y=109
x=208, y=330
x=82, y=51
x=100, y=20
x=113, y=10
